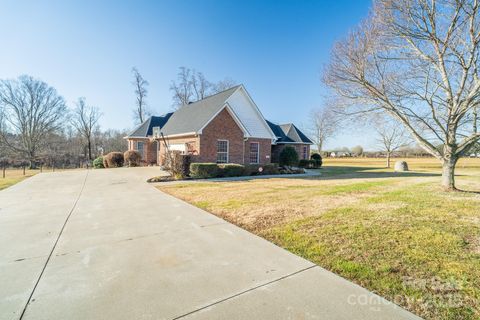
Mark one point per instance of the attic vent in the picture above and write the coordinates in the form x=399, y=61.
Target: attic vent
x=156, y=132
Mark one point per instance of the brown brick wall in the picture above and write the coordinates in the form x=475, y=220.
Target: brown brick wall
x=265, y=146
x=191, y=141
x=149, y=150
x=277, y=149
x=222, y=127
x=204, y=147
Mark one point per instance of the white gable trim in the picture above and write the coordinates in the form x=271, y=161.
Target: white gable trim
x=246, y=134
x=257, y=110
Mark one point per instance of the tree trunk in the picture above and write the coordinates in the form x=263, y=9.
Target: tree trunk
x=32, y=165
x=388, y=159
x=89, y=150
x=448, y=173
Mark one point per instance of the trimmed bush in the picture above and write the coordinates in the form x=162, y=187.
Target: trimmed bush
x=305, y=163
x=204, y=170
x=98, y=163
x=288, y=157
x=318, y=160
x=113, y=160
x=312, y=164
x=231, y=170
x=132, y=158
x=178, y=164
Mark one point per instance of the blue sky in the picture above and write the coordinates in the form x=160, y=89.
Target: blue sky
x=87, y=48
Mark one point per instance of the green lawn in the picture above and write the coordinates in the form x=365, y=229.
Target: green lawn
x=400, y=236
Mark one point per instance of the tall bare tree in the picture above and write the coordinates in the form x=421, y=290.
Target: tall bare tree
x=33, y=110
x=141, y=112
x=201, y=86
x=324, y=123
x=391, y=138
x=223, y=85
x=112, y=140
x=85, y=119
x=191, y=86
x=416, y=61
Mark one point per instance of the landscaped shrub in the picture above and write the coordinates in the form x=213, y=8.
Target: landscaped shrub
x=231, y=170
x=271, y=168
x=311, y=164
x=113, y=160
x=303, y=163
x=177, y=164
x=266, y=169
x=98, y=163
x=132, y=158
x=288, y=157
x=204, y=170
x=318, y=160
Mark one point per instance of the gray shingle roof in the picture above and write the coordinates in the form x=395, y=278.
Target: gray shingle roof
x=146, y=128
x=192, y=117
x=288, y=133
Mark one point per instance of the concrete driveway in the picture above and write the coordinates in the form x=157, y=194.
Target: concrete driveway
x=103, y=244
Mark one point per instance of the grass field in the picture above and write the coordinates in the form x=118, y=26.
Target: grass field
x=399, y=235
x=13, y=176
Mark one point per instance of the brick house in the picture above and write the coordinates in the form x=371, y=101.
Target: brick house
x=226, y=127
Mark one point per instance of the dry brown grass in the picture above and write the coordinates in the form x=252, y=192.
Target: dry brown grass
x=13, y=176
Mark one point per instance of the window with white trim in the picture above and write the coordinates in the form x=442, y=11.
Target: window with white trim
x=305, y=152
x=254, y=152
x=140, y=148
x=222, y=151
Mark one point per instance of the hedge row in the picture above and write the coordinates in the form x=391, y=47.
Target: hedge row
x=312, y=164
x=215, y=170
x=130, y=158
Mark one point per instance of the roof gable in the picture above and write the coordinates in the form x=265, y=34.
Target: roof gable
x=302, y=136
x=191, y=118
x=249, y=115
x=145, y=129
x=288, y=133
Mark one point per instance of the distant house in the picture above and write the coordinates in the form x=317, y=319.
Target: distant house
x=340, y=154
x=226, y=127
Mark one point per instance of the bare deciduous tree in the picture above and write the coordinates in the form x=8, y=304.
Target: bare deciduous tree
x=191, y=86
x=392, y=137
x=111, y=140
x=141, y=111
x=85, y=120
x=182, y=89
x=201, y=86
x=33, y=110
x=324, y=123
x=223, y=85
x=416, y=61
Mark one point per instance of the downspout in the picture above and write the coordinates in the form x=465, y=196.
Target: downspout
x=244, y=146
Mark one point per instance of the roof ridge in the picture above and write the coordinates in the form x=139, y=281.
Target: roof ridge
x=212, y=95
x=162, y=115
